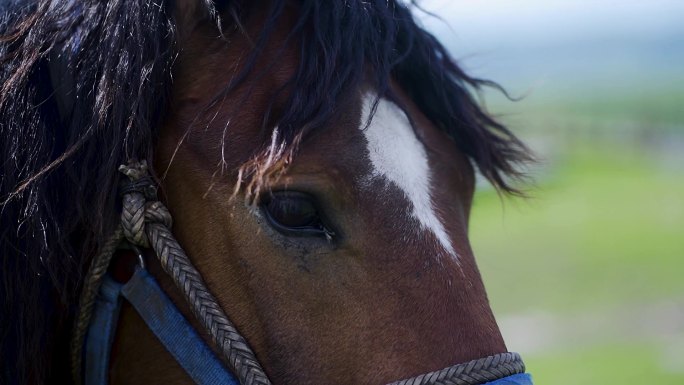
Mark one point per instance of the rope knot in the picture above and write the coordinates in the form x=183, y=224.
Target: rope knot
x=139, y=180
x=140, y=203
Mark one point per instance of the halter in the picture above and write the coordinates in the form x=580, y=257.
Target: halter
x=145, y=222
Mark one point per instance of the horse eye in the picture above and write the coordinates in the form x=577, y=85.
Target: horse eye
x=293, y=213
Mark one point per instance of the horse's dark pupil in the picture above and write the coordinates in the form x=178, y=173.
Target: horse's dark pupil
x=292, y=211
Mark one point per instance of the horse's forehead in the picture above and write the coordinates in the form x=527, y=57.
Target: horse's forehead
x=400, y=161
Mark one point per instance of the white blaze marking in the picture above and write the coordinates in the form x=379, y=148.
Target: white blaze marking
x=397, y=155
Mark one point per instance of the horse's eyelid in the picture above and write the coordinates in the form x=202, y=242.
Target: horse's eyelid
x=321, y=231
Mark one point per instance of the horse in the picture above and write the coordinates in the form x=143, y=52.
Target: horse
x=318, y=160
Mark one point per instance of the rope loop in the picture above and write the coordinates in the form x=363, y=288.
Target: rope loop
x=140, y=204
x=146, y=222
x=156, y=212
x=476, y=372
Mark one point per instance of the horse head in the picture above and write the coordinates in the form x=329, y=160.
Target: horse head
x=318, y=160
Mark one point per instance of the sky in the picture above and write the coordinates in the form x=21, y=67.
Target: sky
x=564, y=44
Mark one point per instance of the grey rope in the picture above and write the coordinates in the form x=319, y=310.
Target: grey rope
x=146, y=222
x=471, y=373
x=91, y=286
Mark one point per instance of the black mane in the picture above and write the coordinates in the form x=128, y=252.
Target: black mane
x=83, y=86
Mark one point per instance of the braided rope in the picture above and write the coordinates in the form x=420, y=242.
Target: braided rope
x=157, y=220
x=471, y=373
x=133, y=218
x=91, y=286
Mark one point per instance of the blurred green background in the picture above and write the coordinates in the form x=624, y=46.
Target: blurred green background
x=586, y=276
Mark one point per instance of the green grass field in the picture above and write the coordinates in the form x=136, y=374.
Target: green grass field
x=594, y=260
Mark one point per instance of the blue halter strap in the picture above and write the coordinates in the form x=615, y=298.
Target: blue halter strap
x=165, y=321
x=516, y=379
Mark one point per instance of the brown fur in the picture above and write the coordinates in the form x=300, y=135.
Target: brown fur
x=371, y=307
